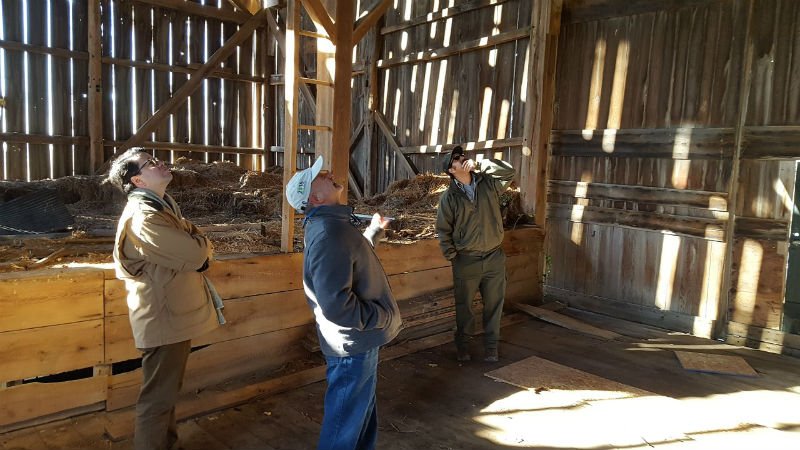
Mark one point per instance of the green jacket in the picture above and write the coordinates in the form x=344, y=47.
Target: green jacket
x=464, y=226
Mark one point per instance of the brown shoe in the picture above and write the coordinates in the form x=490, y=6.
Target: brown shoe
x=491, y=355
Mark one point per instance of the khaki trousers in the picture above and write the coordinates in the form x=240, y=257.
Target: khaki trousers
x=163, y=368
x=487, y=274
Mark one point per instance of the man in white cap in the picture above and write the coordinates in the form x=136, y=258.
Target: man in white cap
x=355, y=311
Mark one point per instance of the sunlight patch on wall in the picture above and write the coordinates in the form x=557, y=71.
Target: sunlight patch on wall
x=680, y=155
x=485, y=111
x=747, y=282
x=783, y=195
x=423, y=107
x=670, y=248
x=451, y=126
x=502, y=121
x=596, y=85
x=712, y=279
x=437, y=106
x=618, y=86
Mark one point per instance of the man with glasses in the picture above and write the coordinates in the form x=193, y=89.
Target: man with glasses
x=470, y=229
x=161, y=257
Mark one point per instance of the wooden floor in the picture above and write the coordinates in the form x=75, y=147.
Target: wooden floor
x=428, y=400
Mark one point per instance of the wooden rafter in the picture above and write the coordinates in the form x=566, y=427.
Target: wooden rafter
x=197, y=9
x=370, y=20
x=387, y=133
x=320, y=15
x=245, y=31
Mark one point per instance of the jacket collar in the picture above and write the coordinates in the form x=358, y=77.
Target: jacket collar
x=151, y=199
x=329, y=211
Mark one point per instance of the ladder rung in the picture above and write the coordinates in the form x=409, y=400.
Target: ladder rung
x=313, y=34
x=314, y=81
x=313, y=127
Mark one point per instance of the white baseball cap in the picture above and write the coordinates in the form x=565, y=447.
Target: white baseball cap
x=299, y=187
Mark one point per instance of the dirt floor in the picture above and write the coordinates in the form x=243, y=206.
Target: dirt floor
x=428, y=400
x=240, y=210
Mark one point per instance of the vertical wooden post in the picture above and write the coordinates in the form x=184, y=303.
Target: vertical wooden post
x=95, y=90
x=291, y=63
x=269, y=98
x=370, y=134
x=721, y=314
x=545, y=25
x=342, y=91
x=323, y=114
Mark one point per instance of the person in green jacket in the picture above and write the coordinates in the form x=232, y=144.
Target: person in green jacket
x=470, y=229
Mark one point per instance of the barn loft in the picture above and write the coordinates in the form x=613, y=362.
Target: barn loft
x=652, y=228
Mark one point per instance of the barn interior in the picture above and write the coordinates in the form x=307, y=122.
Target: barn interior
x=652, y=228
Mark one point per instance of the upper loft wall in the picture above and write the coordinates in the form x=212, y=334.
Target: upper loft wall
x=659, y=69
x=148, y=53
x=658, y=102
x=475, y=94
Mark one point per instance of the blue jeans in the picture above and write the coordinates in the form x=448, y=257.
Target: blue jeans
x=351, y=415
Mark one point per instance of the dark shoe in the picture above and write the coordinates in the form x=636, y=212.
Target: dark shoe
x=463, y=355
x=491, y=355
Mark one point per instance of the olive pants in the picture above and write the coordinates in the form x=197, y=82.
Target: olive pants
x=487, y=274
x=162, y=369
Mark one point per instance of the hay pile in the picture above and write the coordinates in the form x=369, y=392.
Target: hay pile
x=240, y=210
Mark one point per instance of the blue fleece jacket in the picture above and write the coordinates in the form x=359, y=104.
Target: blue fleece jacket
x=346, y=285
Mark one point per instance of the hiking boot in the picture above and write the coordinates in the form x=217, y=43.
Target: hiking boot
x=491, y=355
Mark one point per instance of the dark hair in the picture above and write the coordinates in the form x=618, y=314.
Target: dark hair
x=124, y=168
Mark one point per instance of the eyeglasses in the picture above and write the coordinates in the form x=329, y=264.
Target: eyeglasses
x=153, y=161
x=458, y=157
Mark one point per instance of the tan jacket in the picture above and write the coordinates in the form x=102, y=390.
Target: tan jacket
x=157, y=253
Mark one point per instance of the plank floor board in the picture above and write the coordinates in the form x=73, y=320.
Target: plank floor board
x=429, y=400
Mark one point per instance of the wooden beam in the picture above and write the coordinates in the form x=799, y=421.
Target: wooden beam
x=590, y=11
x=226, y=73
x=196, y=9
x=182, y=146
x=95, y=88
x=444, y=13
x=250, y=6
x=672, y=143
x=467, y=146
x=565, y=321
x=370, y=20
x=27, y=138
x=319, y=15
x=54, y=51
x=291, y=58
x=468, y=46
x=245, y=31
x=387, y=133
x=342, y=92
x=726, y=289
x=700, y=227
x=771, y=142
x=542, y=47
x=714, y=201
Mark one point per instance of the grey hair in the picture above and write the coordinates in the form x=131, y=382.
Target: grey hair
x=123, y=169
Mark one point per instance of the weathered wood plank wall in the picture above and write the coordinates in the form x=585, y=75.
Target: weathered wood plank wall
x=268, y=318
x=670, y=123
x=450, y=72
x=148, y=52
